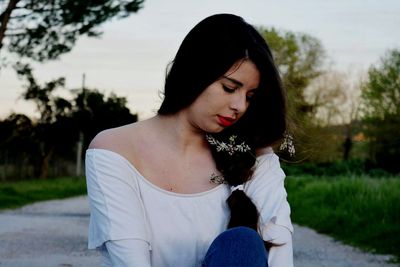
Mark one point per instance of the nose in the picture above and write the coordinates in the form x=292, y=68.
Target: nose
x=239, y=102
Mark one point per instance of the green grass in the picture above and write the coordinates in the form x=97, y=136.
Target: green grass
x=357, y=210
x=17, y=194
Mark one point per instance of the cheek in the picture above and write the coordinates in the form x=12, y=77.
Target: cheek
x=212, y=97
x=211, y=100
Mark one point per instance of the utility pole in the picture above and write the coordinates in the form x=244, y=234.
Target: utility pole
x=78, y=170
x=79, y=149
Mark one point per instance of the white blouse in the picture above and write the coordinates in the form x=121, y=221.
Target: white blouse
x=159, y=228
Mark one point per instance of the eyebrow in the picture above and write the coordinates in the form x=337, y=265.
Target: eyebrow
x=234, y=81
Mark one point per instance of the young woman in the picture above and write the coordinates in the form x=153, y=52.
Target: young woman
x=198, y=184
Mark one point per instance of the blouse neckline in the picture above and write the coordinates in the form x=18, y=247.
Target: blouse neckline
x=150, y=184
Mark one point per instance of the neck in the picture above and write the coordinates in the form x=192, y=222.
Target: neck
x=180, y=134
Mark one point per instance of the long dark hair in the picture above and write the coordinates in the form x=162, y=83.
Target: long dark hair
x=209, y=50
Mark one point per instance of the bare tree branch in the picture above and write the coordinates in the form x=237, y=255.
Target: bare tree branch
x=6, y=18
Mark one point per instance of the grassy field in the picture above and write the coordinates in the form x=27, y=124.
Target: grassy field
x=358, y=210
x=17, y=194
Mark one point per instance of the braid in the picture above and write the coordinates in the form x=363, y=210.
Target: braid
x=236, y=166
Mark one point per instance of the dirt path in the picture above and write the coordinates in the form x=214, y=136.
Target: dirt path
x=54, y=233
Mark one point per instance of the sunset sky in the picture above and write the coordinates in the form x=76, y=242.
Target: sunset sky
x=131, y=57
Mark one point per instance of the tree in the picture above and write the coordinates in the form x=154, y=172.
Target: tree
x=62, y=120
x=381, y=93
x=381, y=111
x=16, y=145
x=335, y=97
x=300, y=59
x=54, y=121
x=43, y=30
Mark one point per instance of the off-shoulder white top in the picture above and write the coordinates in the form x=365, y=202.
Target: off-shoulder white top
x=178, y=228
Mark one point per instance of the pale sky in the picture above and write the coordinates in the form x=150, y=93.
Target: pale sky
x=131, y=57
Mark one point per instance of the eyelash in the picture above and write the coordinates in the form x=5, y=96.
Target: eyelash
x=232, y=90
x=228, y=89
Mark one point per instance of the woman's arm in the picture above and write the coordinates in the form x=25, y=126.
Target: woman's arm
x=280, y=245
x=266, y=189
x=117, y=219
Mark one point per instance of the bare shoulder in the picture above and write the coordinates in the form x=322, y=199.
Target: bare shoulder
x=106, y=138
x=117, y=138
x=130, y=141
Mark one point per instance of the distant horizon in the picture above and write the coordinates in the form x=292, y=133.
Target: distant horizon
x=131, y=57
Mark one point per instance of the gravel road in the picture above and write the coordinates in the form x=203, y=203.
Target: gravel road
x=54, y=233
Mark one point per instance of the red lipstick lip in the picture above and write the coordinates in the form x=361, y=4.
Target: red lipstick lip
x=225, y=121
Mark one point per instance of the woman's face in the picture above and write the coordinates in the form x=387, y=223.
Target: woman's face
x=225, y=101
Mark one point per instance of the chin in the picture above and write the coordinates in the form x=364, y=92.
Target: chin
x=214, y=130
x=220, y=129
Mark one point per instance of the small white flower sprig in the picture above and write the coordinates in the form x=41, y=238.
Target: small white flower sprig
x=287, y=145
x=230, y=147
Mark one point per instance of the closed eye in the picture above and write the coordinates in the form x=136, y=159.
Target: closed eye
x=228, y=89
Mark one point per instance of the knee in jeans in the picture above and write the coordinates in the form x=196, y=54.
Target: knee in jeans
x=239, y=246
x=242, y=234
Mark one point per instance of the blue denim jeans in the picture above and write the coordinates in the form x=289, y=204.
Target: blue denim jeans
x=237, y=247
